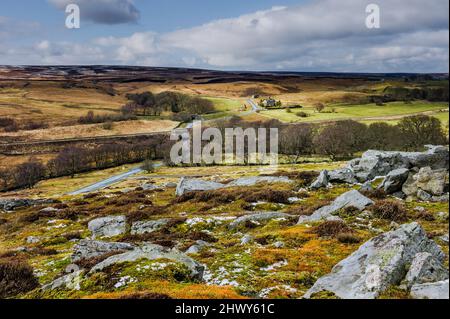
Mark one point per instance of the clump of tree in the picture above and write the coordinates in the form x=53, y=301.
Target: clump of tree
x=149, y=104
x=10, y=125
x=92, y=118
x=319, y=107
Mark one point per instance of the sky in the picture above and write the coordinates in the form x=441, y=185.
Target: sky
x=258, y=35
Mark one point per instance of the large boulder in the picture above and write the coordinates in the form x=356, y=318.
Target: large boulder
x=425, y=269
x=253, y=180
x=379, y=163
x=322, y=180
x=343, y=175
x=427, y=181
x=145, y=227
x=108, y=226
x=352, y=198
x=86, y=249
x=378, y=264
x=187, y=185
x=258, y=217
x=435, y=290
x=394, y=180
x=153, y=252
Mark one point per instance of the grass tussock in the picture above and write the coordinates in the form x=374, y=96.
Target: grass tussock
x=16, y=278
x=390, y=210
x=332, y=229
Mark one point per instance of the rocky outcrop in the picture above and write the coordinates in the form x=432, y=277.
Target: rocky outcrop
x=187, y=185
x=343, y=175
x=435, y=290
x=352, y=198
x=70, y=281
x=378, y=264
x=153, y=252
x=145, y=227
x=427, y=183
x=9, y=205
x=197, y=247
x=425, y=269
x=86, y=249
x=108, y=226
x=322, y=181
x=380, y=163
x=394, y=180
x=258, y=217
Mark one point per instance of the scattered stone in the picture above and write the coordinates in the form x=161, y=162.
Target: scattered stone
x=394, y=180
x=435, y=290
x=9, y=205
x=190, y=185
x=197, y=247
x=146, y=227
x=352, y=198
x=258, y=217
x=424, y=196
x=444, y=238
x=253, y=180
x=293, y=200
x=378, y=264
x=33, y=240
x=278, y=244
x=366, y=187
x=322, y=181
x=86, y=249
x=399, y=195
x=108, y=226
x=153, y=252
x=425, y=269
x=247, y=239
x=70, y=281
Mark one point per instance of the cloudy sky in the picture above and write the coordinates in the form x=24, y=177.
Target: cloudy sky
x=279, y=35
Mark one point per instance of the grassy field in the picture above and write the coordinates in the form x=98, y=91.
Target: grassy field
x=367, y=112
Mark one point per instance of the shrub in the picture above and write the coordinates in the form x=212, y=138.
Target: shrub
x=16, y=278
x=348, y=238
x=302, y=114
x=332, y=229
x=390, y=210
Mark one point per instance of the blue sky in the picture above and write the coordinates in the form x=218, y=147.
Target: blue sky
x=300, y=35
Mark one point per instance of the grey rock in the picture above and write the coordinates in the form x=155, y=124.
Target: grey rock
x=145, y=227
x=86, y=249
x=197, y=247
x=425, y=269
x=423, y=195
x=351, y=198
x=9, y=205
x=366, y=187
x=70, y=281
x=153, y=252
x=108, y=226
x=253, y=180
x=278, y=244
x=187, y=185
x=343, y=175
x=33, y=240
x=433, y=182
x=378, y=264
x=444, y=238
x=435, y=290
x=399, y=195
x=394, y=180
x=247, y=239
x=258, y=217
x=150, y=187
x=322, y=181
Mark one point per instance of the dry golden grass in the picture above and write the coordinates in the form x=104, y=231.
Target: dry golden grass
x=92, y=130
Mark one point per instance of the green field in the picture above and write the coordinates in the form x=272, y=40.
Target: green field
x=368, y=112
x=225, y=104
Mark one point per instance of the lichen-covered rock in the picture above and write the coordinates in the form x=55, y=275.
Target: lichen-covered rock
x=343, y=175
x=425, y=269
x=187, y=185
x=108, y=226
x=153, y=252
x=435, y=290
x=366, y=187
x=145, y=227
x=15, y=203
x=322, y=181
x=70, y=281
x=352, y=198
x=258, y=217
x=394, y=180
x=378, y=264
x=197, y=247
x=86, y=249
x=253, y=180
